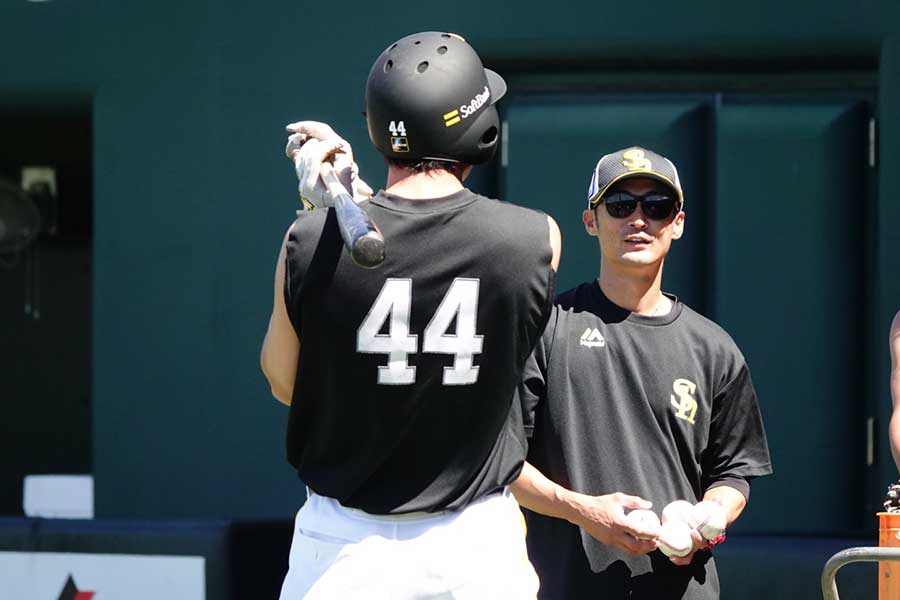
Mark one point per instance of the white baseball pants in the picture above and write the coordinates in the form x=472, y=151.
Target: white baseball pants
x=477, y=553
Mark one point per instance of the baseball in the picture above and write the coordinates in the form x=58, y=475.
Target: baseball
x=680, y=510
x=675, y=538
x=711, y=519
x=645, y=519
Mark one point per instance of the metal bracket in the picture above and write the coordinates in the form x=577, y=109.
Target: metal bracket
x=873, y=141
x=844, y=557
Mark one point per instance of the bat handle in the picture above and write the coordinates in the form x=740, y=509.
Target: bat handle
x=361, y=236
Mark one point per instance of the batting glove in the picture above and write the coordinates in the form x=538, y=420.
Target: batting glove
x=310, y=144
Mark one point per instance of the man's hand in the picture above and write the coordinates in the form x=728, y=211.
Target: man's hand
x=603, y=517
x=310, y=144
x=699, y=544
x=731, y=500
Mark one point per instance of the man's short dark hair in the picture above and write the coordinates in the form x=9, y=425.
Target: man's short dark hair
x=425, y=165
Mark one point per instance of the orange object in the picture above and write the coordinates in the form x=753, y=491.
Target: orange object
x=889, y=571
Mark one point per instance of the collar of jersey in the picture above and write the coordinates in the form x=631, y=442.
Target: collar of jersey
x=432, y=205
x=608, y=306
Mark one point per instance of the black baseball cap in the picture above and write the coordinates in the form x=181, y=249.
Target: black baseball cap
x=632, y=162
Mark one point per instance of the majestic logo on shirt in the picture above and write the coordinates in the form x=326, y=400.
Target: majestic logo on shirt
x=591, y=338
x=685, y=405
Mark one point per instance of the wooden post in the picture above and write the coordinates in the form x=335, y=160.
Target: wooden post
x=889, y=571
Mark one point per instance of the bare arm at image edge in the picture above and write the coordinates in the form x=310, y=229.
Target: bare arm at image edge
x=281, y=347
x=894, y=429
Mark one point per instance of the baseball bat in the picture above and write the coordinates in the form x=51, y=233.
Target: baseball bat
x=361, y=236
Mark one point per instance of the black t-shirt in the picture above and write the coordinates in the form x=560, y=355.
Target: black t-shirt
x=407, y=372
x=658, y=407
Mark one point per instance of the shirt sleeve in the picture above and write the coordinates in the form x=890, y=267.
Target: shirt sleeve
x=734, y=482
x=737, y=448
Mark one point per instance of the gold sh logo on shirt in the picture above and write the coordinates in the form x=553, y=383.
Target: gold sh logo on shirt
x=685, y=405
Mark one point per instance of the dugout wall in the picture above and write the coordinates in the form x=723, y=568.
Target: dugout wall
x=192, y=195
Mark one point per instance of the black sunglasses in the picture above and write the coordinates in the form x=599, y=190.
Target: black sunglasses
x=654, y=205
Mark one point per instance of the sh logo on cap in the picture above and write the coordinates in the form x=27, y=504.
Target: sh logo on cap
x=635, y=159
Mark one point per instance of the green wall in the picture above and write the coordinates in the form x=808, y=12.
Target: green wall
x=192, y=192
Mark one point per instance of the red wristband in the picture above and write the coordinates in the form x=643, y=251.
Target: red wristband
x=714, y=542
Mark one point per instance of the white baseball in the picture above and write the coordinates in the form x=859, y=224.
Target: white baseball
x=643, y=518
x=680, y=510
x=711, y=519
x=675, y=538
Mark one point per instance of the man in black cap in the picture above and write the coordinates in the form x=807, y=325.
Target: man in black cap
x=401, y=392
x=632, y=400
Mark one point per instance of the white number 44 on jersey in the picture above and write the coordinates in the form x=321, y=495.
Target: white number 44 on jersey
x=394, y=302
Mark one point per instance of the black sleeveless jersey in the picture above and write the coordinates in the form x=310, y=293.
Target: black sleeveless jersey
x=407, y=372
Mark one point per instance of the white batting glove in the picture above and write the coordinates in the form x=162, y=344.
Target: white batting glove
x=310, y=144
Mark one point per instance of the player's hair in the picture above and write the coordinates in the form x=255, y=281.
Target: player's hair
x=427, y=165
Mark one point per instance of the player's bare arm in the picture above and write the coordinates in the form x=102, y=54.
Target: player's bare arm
x=281, y=346
x=311, y=143
x=894, y=431
x=555, y=242
x=728, y=498
x=601, y=516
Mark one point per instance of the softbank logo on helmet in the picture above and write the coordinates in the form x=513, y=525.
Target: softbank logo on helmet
x=477, y=102
x=455, y=116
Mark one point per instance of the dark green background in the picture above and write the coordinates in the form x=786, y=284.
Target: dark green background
x=191, y=195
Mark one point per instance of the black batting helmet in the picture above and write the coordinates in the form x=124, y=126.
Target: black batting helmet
x=429, y=97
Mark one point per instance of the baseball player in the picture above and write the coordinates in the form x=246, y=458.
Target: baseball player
x=894, y=341
x=401, y=379
x=632, y=400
